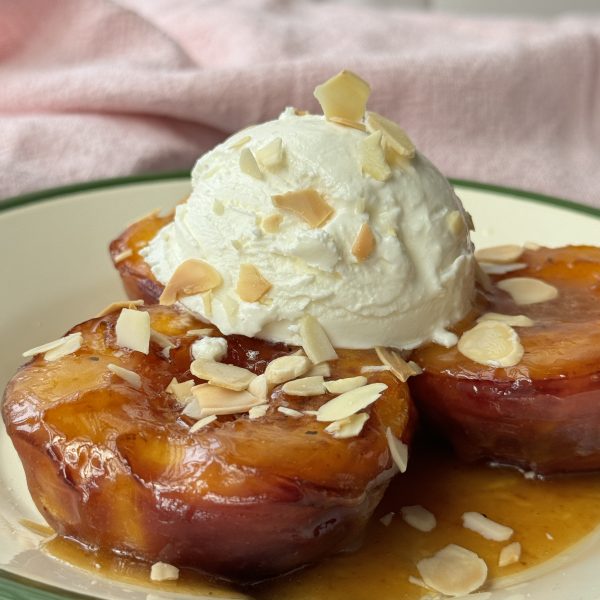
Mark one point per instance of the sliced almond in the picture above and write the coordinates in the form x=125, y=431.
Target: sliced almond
x=290, y=412
x=527, y=290
x=320, y=369
x=251, y=285
x=131, y=377
x=348, y=123
x=456, y=224
x=286, y=368
x=161, y=571
x=191, y=277
x=257, y=412
x=213, y=400
x=114, y=306
x=259, y=387
x=222, y=375
x=199, y=332
x=271, y=223
x=419, y=517
x=387, y=519
x=512, y=320
x=121, y=256
x=182, y=391
x=133, y=330
x=202, y=423
x=374, y=368
x=207, y=303
x=345, y=95
x=271, y=155
x=485, y=527
x=394, y=137
x=71, y=340
x=401, y=369
x=483, y=279
x=249, y=165
x=398, y=450
x=454, y=571
x=491, y=343
x=306, y=386
x=508, y=253
x=240, y=142
x=498, y=269
x=307, y=204
x=347, y=404
x=341, y=386
x=372, y=157
x=364, y=243
x=349, y=427
x=509, y=555
x=315, y=341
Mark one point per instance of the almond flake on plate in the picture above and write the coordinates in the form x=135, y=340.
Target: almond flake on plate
x=271, y=155
x=345, y=96
x=364, y=243
x=131, y=377
x=286, y=368
x=419, y=517
x=315, y=341
x=202, y=423
x=213, y=400
x=349, y=427
x=251, y=285
x=249, y=165
x=222, y=375
x=182, y=391
x=290, y=412
x=372, y=157
x=512, y=320
x=401, y=369
x=257, y=412
x=508, y=253
x=491, y=343
x=306, y=386
x=394, y=137
x=114, y=306
x=398, y=450
x=351, y=402
x=341, y=386
x=485, y=527
x=509, y=555
x=307, y=204
x=192, y=276
x=133, y=330
x=271, y=223
x=528, y=290
x=161, y=571
x=57, y=348
x=453, y=570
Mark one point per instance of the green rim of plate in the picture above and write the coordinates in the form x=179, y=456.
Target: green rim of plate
x=14, y=587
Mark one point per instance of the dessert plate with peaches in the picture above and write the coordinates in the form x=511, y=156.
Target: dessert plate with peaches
x=310, y=372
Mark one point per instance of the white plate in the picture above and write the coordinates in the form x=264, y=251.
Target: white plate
x=55, y=272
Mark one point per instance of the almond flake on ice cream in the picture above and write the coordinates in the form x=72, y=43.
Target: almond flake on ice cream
x=251, y=285
x=271, y=154
x=372, y=157
x=308, y=204
x=394, y=136
x=192, y=276
x=344, y=96
x=364, y=243
x=249, y=165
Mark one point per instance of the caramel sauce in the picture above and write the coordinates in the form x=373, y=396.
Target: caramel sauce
x=547, y=516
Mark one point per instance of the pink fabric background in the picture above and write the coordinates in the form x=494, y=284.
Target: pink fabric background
x=94, y=88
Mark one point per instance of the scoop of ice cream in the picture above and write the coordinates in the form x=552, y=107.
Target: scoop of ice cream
x=302, y=215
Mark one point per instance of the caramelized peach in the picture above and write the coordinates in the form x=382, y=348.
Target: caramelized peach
x=542, y=414
x=117, y=468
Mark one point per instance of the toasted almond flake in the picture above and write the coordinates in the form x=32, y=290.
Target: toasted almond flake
x=509, y=555
x=485, y=527
x=114, y=306
x=512, y=320
x=374, y=368
x=199, y=332
x=271, y=223
x=509, y=253
x=131, y=377
x=306, y=386
x=290, y=412
x=453, y=570
x=249, y=165
x=321, y=369
x=349, y=427
x=351, y=402
x=286, y=368
x=161, y=571
x=419, y=517
x=345, y=96
x=222, y=375
x=341, y=386
x=209, y=348
x=549, y=536
x=491, y=343
x=271, y=155
x=394, y=137
x=348, y=123
x=251, y=285
x=315, y=341
x=372, y=157
x=300, y=112
x=182, y=391
x=191, y=277
x=133, y=330
x=364, y=243
x=456, y=224
x=387, y=519
x=52, y=345
x=257, y=412
x=401, y=369
x=498, y=269
x=121, y=256
x=259, y=387
x=71, y=344
x=527, y=290
x=398, y=450
x=240, y=142
x=212, y=400
x=202, y=423
x=307, y=204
